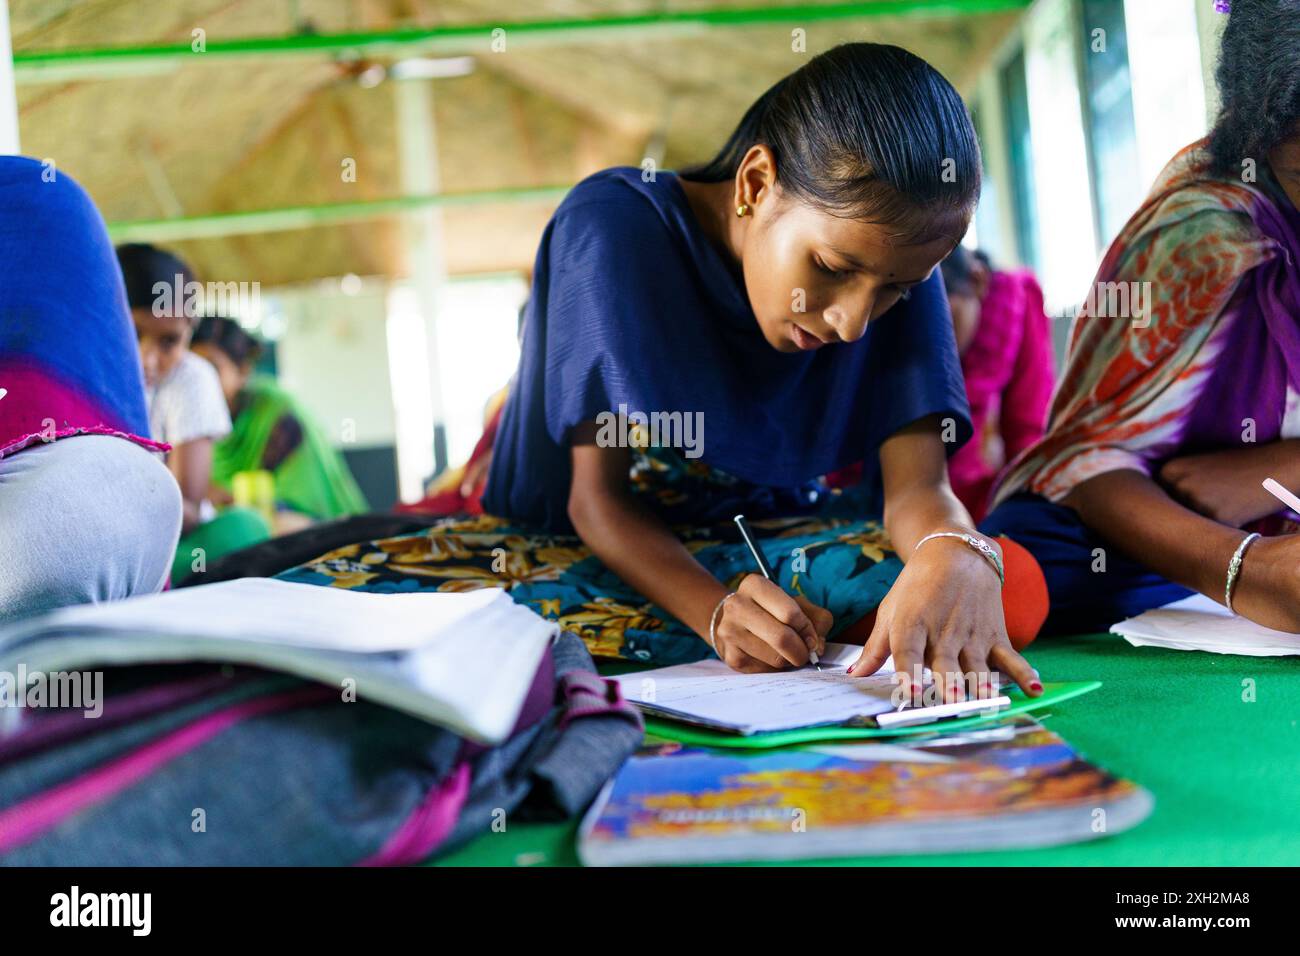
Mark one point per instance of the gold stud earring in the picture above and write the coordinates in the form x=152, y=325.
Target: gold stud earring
x=743, y=209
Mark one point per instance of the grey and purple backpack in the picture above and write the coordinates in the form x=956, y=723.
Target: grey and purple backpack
x=211, y=765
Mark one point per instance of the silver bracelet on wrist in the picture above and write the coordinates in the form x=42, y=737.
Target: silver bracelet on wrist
x=982, y=547
x=1234, y=569
x=713, y=621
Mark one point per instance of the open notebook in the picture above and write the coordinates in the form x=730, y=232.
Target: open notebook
x=1199, y=624
x=460, y=660
x=710, y=694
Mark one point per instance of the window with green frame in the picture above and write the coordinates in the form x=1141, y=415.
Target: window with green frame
x=1108, y=108
x=1013, y=85
x=985, y=224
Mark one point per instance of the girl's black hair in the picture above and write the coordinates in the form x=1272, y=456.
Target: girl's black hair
x=1259, y=82
x=865, y=131
x=229, y=336
x=144, y=266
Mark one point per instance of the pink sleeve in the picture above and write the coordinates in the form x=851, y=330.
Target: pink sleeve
x=1029, y=393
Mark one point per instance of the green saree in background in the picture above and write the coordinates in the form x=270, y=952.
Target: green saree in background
x=312, y=479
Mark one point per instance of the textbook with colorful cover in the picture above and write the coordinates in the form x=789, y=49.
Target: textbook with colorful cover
x=1013, y=785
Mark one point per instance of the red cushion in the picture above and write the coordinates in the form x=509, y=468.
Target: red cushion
x=1024, y=600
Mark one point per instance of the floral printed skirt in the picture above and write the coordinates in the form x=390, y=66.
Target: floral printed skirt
x=813, y=537
x=843, y=565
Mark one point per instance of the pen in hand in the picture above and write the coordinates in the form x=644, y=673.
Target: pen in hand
x=766, y=570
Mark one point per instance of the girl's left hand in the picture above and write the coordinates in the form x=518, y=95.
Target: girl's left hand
x=945, y=612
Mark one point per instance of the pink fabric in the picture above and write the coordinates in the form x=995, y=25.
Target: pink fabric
x=1009, y=380
x=589, y=695
x=25, y=821
x=428, y=826
x=38, y=407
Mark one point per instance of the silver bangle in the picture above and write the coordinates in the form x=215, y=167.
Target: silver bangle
x=713, y=621
x=1234, y=569
x=986, y=550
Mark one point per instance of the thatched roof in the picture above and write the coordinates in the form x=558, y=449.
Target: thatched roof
x=267, y=131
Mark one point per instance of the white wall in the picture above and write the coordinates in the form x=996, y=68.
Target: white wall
x=360, y=361
x=333, y=355
x=478, y=350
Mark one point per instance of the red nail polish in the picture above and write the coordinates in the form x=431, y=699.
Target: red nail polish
x=1035, y=685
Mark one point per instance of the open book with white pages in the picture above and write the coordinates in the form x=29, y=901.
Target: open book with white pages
x=461, y=660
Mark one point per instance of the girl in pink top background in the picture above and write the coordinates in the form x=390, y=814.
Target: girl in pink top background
x=1004, y=337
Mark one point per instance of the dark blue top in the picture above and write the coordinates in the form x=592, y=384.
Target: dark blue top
x=632, y=304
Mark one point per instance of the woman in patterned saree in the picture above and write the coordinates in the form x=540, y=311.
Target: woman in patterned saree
x=1147, y=485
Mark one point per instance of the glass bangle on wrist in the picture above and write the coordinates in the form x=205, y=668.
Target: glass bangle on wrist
x=1234, y=569
x=979, y=545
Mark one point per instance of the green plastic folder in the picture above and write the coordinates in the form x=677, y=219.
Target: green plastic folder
x=1053, y=693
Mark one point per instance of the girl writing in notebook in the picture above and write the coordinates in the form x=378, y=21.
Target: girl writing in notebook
x=710, y=342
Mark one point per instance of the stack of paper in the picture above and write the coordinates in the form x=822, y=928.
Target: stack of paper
x=462, y=660
x=1199, y=624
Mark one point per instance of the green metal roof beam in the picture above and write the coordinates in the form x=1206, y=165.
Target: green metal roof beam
x=108, y=62
x=307, y=217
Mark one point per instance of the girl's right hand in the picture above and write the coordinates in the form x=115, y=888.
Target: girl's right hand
x=762, y=628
